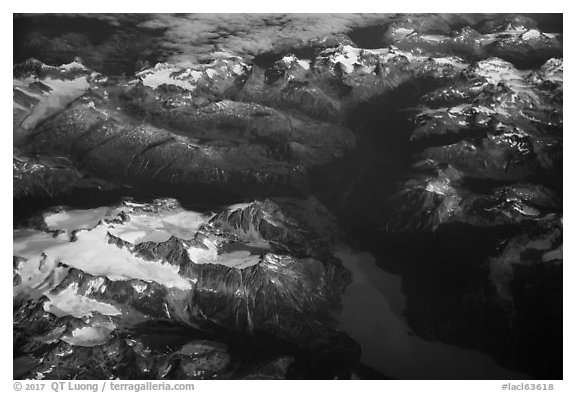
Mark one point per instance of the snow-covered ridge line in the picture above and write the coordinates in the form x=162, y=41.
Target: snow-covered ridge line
x=188, y=76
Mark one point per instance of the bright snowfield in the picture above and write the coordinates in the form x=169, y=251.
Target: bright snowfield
x=91, y=252
x=82, y=242
x=58, y=94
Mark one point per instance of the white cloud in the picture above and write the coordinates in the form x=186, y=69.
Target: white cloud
x=195, y=36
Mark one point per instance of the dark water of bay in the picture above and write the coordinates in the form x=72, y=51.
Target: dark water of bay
x=372, y=315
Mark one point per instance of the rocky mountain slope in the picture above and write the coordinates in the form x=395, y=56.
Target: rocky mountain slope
x=437, y=141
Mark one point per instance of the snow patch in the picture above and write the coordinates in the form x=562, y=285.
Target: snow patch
x=143, y=227
x=92, y=254
x=75, y=219
x=72, y=66
x=402, y=32
x=348, y=57
x=304, y=64
x=162, y=74
x=89, y=336
x=236, y=259
x=240, y=206
x=531, y=35
x=140, y=288
x=69, y=302
x=237, y=69
x=63, y=92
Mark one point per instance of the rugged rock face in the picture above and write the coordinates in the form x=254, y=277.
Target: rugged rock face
x=175, y=353
x=482, y=186
x=49, y=176
x=89, y=277
x=437, y=142
x=212, y=142
x=517, y=39
x=232, y=125
x=510, y=136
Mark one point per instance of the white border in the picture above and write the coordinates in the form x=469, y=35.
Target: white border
x=307, y=6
